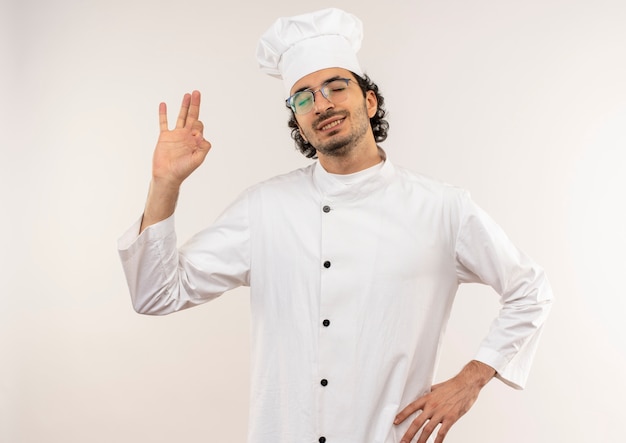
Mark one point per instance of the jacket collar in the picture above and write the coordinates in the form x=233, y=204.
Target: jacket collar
x=334, y=190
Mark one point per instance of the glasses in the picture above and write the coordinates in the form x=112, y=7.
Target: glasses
x=335, y=91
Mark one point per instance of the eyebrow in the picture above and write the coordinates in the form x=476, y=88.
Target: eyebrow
x=308, y=88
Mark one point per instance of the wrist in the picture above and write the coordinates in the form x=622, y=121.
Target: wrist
x=161, y=202
x=479, y=372
x=165, y=186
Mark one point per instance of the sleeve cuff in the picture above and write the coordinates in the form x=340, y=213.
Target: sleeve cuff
x=505, y=370
x=131, y=239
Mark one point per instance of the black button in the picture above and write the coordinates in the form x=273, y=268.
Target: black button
x=326, y=209
x=326, y=323
x=322, y=440
x=327, y=264
x=324, y=382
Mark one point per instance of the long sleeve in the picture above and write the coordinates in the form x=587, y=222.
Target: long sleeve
x=486, y=255
x=163, y=279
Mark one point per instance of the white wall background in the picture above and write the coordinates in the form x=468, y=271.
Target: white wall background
x=522, y=102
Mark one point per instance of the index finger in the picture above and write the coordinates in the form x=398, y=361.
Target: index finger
x=410, y=409
x=194, y=109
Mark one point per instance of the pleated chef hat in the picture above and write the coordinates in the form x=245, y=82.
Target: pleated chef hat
x=297, y=46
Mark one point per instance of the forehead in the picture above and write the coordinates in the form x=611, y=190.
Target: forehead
x=318, y=77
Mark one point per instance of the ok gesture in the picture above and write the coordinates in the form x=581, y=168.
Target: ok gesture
x=181, y=150
x=177, y=154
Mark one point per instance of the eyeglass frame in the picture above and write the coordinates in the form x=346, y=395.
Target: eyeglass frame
x=288, y=101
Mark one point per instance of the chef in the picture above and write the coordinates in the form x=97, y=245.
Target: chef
x=353, y=262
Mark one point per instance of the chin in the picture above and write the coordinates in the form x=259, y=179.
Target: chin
x=336, y=149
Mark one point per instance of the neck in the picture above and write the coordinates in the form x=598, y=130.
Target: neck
x=353, y=161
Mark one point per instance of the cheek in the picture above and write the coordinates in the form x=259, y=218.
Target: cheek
x=302, y=132
x=304, y=125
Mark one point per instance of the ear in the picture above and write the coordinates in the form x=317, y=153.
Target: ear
x=371, y=103
x=302, y=133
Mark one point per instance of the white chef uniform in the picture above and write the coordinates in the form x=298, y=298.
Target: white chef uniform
x=351, y=286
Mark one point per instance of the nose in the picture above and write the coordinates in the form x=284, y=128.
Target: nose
x=321, y=103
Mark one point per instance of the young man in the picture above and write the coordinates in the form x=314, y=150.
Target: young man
x=352, y=262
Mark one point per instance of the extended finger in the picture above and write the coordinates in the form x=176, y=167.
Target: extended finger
x=409, y=410
x=163, y=117
x=184, y=110
x=442, y=432
x=415, y=426
x=194, y=108
x=427, y=430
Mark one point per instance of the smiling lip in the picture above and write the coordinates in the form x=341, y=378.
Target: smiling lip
x=330, y=123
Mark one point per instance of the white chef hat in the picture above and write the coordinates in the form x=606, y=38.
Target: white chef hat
x=297, y=46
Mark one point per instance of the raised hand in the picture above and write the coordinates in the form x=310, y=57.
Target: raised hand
x=177, y=154
x=181, y=150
